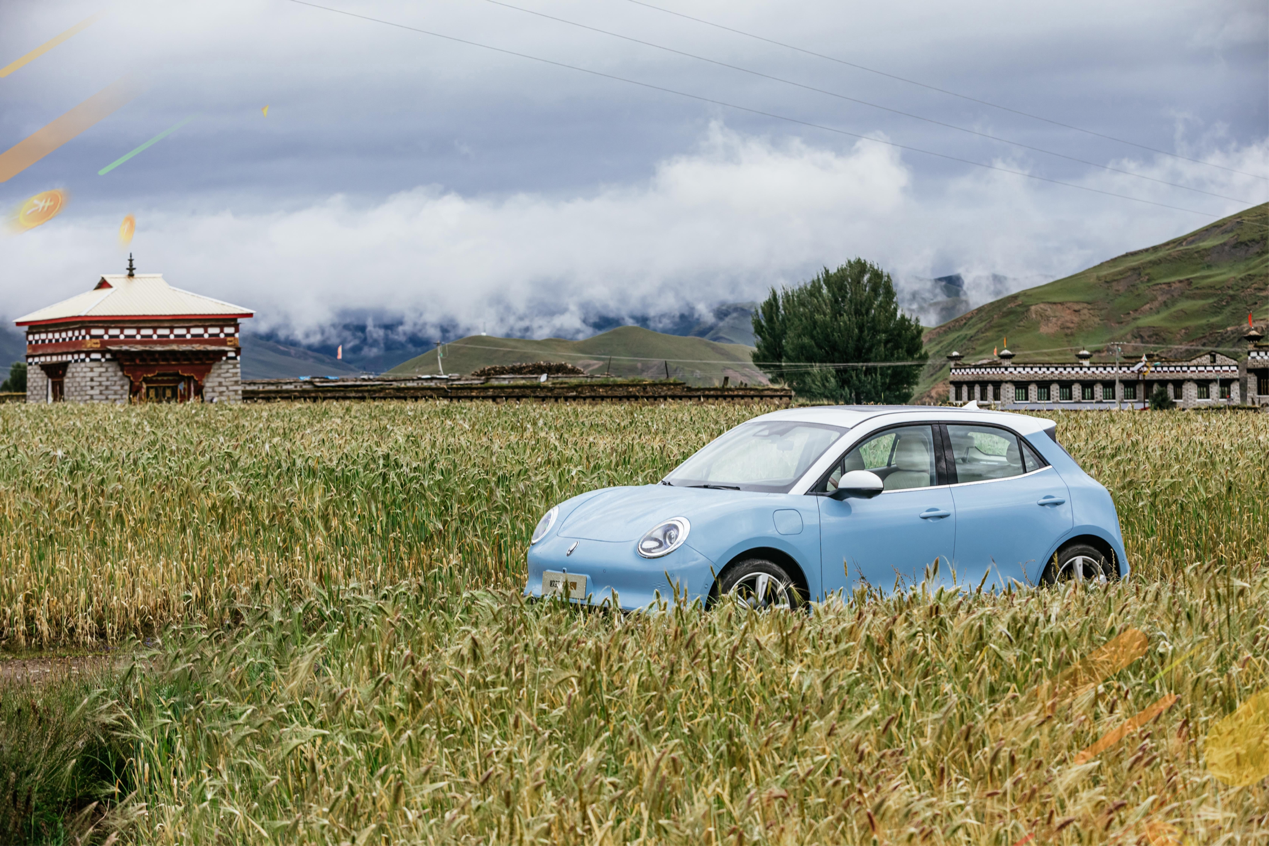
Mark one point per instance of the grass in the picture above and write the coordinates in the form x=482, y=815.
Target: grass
x=635, y=352
x=61, y=760
x=120, y=521
x=345, y=656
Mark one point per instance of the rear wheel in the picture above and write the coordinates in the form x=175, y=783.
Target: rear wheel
x=760, y=584
x=1079, y=562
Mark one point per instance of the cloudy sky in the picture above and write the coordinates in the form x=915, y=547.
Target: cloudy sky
x=404, y=174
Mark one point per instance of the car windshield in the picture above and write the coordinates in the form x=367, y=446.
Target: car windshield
x=764, y=456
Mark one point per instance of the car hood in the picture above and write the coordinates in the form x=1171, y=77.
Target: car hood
x=626, y=514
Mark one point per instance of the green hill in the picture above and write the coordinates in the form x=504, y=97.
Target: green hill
x=627, y=351
x=1195, y=290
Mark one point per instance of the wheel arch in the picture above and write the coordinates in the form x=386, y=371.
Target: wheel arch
x=1101, y=544
x=772, y=554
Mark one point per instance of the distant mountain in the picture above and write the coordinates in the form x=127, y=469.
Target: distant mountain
x=263, y=359
x=1192, y=291
x=12, y=347
x=730, y=323
x=372, y=344
x=627, y=351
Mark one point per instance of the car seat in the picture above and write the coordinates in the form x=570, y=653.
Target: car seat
x=912, y=458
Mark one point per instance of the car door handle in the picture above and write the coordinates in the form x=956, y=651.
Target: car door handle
x=934, y=514
x=1051, y=500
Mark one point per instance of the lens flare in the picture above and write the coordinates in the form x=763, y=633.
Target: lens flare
x=39, y=210
x=147, y=145
x=126, y=230
x=1103, y=662
x=50, y=44
x=39, y=144
x=1238, y=746
x=1127, y=727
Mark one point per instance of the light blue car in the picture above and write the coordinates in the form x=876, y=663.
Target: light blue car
x=795, y=505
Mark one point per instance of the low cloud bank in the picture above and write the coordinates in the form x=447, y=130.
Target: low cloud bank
x=722, y=223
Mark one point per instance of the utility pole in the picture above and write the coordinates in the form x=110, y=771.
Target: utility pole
x=440, y=353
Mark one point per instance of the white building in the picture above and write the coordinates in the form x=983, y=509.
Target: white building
x=134, y=338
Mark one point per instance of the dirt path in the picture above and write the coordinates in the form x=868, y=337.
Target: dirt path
x=37, y=669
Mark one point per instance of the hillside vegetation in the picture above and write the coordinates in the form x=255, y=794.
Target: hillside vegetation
x=1193, y=290
x=627, y=351
x=343, y=654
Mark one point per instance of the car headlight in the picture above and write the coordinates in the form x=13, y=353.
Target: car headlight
x=665, y=538
x=544, y=525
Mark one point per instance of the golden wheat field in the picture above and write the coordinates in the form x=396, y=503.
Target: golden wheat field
x=324, y=642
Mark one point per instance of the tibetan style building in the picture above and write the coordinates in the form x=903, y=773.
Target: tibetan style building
x=1257, y=369
x=134, y=338
x=1209, y=379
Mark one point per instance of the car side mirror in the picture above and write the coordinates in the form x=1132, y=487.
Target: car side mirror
x=862, y=483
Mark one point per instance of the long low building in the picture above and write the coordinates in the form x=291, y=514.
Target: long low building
x=1209, y=379
x=134, y=338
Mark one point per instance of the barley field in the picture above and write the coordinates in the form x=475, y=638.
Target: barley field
x=323, y=641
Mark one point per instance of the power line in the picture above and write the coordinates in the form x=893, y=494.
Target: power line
x=936, y=88
x=850, y=99
x=797, y=365
x=747, y=109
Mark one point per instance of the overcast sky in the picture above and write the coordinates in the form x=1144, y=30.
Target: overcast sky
x=409, y=175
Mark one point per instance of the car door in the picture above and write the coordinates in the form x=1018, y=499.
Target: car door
x=897, y=533
x=1011, y=507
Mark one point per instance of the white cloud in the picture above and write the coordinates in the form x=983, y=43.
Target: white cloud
x=723, y=222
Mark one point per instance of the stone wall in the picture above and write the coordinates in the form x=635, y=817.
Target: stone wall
x=224, y=382
x=95, y=381
x=36, y=384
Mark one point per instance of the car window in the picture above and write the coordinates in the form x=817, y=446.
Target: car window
x=1030, y=458
x=985, y=452
x=765, y=456
x=902, y=457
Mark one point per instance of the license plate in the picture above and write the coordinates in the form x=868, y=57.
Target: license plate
x=553, y=582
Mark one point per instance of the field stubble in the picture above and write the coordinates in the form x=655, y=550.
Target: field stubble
x=331, y=675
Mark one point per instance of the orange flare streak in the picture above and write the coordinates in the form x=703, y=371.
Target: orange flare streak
x=36, y=146
x=1131, y=725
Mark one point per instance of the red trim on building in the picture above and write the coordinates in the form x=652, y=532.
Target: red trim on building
x=152, y=318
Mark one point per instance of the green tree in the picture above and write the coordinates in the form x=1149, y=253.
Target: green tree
x=17, y=379
x=1160, y=400
x=843, y=316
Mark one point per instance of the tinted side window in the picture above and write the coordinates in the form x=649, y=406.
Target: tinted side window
x=1030, y=458
x=902, y=457
x=984, y=452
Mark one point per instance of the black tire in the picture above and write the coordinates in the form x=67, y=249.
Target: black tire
x=1079, y=562
x=760, y=584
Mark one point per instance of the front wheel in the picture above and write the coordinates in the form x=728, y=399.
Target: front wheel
x=760, y=584
x=1079, y=562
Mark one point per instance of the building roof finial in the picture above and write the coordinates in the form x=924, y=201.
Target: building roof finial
x=132, y=271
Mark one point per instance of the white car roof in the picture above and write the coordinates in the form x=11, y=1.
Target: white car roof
x=850, y=416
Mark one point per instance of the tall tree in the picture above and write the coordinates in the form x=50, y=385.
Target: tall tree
x=17, y=378
x=847, y=316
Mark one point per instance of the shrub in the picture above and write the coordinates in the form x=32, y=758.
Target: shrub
x=534, y=368
x=1160, y=400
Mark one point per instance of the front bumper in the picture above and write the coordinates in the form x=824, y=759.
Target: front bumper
x=618, y=576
